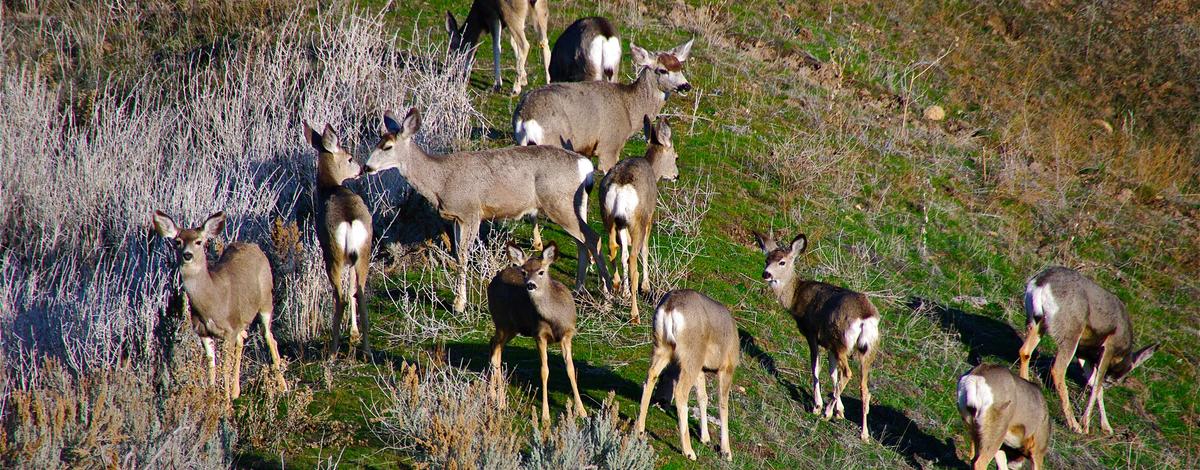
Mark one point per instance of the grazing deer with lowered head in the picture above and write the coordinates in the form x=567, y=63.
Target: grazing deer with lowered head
x=1001, y=409
x=225, y=298
x=587, y=50
x=840, y=320
x=523, y=299
x=493, y=16
x=596, y=118
x=1086, y=322
x=698, y=334
x=344, y=232
x=628, y=195
x=507, y=183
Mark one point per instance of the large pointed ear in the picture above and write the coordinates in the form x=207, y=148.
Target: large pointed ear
x=684, y=50
x=214, y=224
x=662, y=132
x=550, y=253
x=1141, y=356
x=641, y=57
x=515, y=254
x=451, y=23
x=391, y=124
x=329, y=139
x=313, y=138
x=412, y=123
x=765, y=242
x=799, y=244
x=648, y=128
x=164, y=225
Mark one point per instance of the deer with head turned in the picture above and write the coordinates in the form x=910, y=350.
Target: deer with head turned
x=224, y=298
x=493, y=16
x=523, y=299
x=698, y=334
x=344, y=231
x=596, y=118
x=507, y=183
x=999, y=410
x=628, y=195
x=588, y=50
x=839, y=320
x=1086, y=322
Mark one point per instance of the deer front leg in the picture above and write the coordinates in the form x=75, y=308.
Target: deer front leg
x=239, y=346
x=541, y=345
x=541, y=16
x=815, y=358
x=1058, y=374
x=467, y=231
x=645, y=251
x=537, y=234
x=499, y=339
x=567, y=358
x=210, y=350
x=1097, y=385
x=496, y=29
x=516, y=37
x=1032, y=337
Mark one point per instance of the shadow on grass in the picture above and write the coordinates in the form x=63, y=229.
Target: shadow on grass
x=750, y=348
x=982, y=335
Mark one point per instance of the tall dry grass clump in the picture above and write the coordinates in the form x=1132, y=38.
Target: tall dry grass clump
x=85, y=290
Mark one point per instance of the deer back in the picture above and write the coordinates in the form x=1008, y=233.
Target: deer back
x=700, y=329
x=589, y=49
x=1068, y=304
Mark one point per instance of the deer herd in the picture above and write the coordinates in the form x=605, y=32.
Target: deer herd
x=558, y=129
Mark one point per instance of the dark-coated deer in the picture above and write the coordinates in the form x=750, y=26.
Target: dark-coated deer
x=589, y=49
x=494, y=15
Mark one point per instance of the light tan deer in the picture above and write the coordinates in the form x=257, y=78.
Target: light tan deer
x=493, y=16
x=589, y=49
x=840, y=320
x=1086, y=322
x=523, y=299
x=629, y=194
x=596, y=118
x=507, y=183
x=226, y=298
x=698, y=334
x=1000, y=409
x=344, y=231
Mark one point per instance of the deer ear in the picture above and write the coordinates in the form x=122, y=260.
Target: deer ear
x=451, y=24
x=648, y=128
x=214, y=224
x=1141, y=356
x=641, y=57
x=799, y=244
x=550, y=253
x=662, y=132
x=313, y=138
x=412, y=123
x=329, y=139
x=164, y=225
x=390, y=124
x=515, y=254
x=765, y=242
x=684, y=50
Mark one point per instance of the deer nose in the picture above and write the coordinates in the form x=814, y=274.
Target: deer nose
x=187, y=256
x=685, y=87
x=766, y=275
x=530, y=286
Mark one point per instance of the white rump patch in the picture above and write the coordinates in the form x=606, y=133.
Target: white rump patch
x=862, y=334
x=974, y=392
x=1039, y=301
x=612, y=54
x=528, y=131
x=621, y=201
x=595, y=56
x=585, y=168
x=351, y=237
x=668, y=325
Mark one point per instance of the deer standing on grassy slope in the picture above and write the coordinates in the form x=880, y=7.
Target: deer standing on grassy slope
x=588, y=50
x=840, y=320
x=226, y=298
x=344, y=232
x=596, y=118
x=1000, y=409
x=523, y=299
x=698, y=334
x=1087, y=322
x=513, y=182
x=493, y=16
x=628, y=195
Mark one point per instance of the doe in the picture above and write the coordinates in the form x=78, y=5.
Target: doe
x=1000, y=409
x=492, y=16
x=587, y=50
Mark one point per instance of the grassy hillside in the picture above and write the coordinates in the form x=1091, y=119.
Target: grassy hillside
x=812, y=119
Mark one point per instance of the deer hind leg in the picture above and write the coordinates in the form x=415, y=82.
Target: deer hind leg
x=541, y=17
x=350, y=290
x=499, y=339
x=624, y=269
x=516, y=36
x=1058, y=373
x=702, y=403
x=497, y=26
x=632, y=272
x=989, y=446
x=273, y=347
x=683, y=389
x=724, y=384
x=1097, y=384
x=841, y=378
x=334, y=271
x=814, y=354
x=570, y=362
x=644, y=249
x=537, y=235
x=865, y=366
x=360, y=298
x=1032, y=337
x=658, y=362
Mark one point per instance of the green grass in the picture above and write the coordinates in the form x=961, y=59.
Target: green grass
x=902, y=212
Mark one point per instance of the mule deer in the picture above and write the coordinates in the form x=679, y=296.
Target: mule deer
x=596, y=118
x=840, y=320
x=523, y=299
x=467, y=187
x=630, y=193
x=1001, y=409
x=344, y=232
x=587, y=50
x=1087, y=322
x=225, y=298
x=493, y=16
x=698, y=334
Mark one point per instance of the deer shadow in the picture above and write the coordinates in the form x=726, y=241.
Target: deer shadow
x=750, y=347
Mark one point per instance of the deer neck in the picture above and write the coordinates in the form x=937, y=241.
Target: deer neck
x=644, y=98
x=425, y=173
x=202, y=289
x=478, y=20
x=788, y=293
x=326, y=182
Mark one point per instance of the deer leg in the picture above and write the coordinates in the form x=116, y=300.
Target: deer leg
x=496, y=29
x=1098, y=372
x=541, y=345
x=467, y=231
x=613, y=247
x=683, y=389
x=865, y=364
x=624, y=275
x=632, y=271
x=645, y=251
x=1058, y=373
x=1032, y=337
x=516, y=37
x=499, y=339
x=239, y=346
x=360, y=298
x=537, y=235
x=724, y=383
x=273, y=347
x=702, y=402
x=1001, y=460
x=1104, y=426
x=567, y=358
x=339, y=305
x=989, y=446
x=814, y=354
x=541, y=15
x=351, y=292
x=658, y=362
x=841, y=377
x=210, y=350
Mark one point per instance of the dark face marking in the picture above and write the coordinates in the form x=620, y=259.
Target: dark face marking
x=670, y=63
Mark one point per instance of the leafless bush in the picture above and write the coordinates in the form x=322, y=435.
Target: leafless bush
x=601, y=440
x=678, y=240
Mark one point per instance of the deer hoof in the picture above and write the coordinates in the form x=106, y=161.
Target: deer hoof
x=689, y=454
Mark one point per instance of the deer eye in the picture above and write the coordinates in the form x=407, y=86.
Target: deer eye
x=197, y=243
x=177, y=242
x=782, y=262
x=542, y=272
x=387, y=146
x=660, y=71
